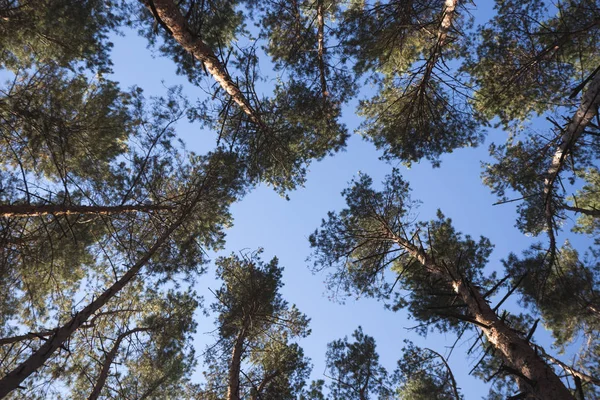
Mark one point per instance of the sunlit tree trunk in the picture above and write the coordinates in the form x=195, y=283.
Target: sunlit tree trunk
x=448, y=16
x=519, y=356
x=169, y=15
x=587, y=110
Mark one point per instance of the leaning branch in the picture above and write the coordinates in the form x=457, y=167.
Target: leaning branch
x=591, y=212
x=587, y=110
x=576, y=373
x=450, y=374
x=516, y=351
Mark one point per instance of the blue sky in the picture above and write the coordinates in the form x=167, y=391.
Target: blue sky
x=264, y=219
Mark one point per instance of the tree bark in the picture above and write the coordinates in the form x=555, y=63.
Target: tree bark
x=587, y=110
x=110, y=357
x=170, y=15
x=14, y=378
x=233, y=387
x=27, y=210
x=539, y=378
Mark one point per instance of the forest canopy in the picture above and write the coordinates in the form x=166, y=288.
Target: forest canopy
x=116, y=202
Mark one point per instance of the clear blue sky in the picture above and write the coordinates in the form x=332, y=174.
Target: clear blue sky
x=263, y=219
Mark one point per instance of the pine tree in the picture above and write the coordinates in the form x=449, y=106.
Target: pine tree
x=354, y=370
x=254, y=355
x=439, y=269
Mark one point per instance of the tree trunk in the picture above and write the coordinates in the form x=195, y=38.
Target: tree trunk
x=584, y=114
x=110, y=357
x=539, y=378
x=14, y=378
x=27, y=210
x=448, y=16
x=321, y=48
x=168, y=13
x=233, y=387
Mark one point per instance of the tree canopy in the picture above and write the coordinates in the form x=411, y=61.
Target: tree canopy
x=109, y=218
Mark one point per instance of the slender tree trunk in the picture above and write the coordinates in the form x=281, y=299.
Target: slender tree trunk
x=539, y=378
x=362, y=393
x=26, y=210
x=172, y=19
x=321, y=48
x=233, y=387
x=14, y=378
x=108, y=360
x=448, y=16
x=587, y=110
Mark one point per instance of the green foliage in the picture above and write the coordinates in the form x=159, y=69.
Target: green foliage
x=315, y=392
x=587, y=199
x=354, y=369
x=423, y=374
x=360, y=244
x=529, y=56
x=417, y=112
x=41, y=32
x=58, y=125
x=565, y=293
x=415, y=122
x=258, y=324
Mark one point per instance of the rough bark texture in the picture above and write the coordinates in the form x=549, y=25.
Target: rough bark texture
x=170, y=15
x=108, y=360
x=233, y=386
x=26, y=210
x=14, y=378
x=516, y=352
